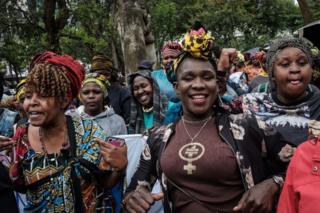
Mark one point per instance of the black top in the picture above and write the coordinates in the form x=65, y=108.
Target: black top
x=7, y=198
x=120, y=98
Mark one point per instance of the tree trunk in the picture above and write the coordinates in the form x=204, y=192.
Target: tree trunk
x=305, y=10
x=137, y=41
x=55, y=23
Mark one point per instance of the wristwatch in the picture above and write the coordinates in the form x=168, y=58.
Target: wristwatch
x=278, y=180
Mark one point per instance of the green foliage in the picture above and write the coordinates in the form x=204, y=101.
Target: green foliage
x=314, y=6
x=234, y=23
x=90, y=29
x=164, y=15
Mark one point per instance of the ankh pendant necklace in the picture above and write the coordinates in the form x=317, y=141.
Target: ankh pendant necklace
x=192, y=151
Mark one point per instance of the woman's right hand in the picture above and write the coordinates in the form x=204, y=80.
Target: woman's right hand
x=140, y=200
x=5, y=143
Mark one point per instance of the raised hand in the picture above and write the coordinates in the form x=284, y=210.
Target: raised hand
x=227, y=56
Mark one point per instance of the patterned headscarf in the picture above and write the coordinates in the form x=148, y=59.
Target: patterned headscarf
x=100, y=80
x=171, y=49
x=198, y=43
x=75, y=70
x=101, y=62
x=136, y=124
x=20, y=89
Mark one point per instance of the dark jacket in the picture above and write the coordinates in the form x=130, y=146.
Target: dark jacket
x=149, y=168
x=120, y=99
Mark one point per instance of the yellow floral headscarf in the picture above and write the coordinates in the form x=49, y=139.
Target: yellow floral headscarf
x=21, y=90
x=198, y=43
x=98, y=79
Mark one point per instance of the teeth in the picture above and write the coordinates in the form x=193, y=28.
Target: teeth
x=33, y=113
x=198, y=96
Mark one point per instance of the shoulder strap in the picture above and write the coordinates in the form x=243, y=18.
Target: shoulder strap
x=76, y=186
x=193, y=198
x=72, y=136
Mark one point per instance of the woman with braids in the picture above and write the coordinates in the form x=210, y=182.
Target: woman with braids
x=61, y=162
x=197, y=159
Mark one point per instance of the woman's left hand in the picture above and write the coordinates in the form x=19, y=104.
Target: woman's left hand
x=114, y=156
x=259, y=198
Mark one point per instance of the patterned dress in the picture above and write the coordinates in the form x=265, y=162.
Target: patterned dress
x=270, y=131
x=47, y=178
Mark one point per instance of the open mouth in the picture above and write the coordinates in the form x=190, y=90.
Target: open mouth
x=199, y=99
x=295, y=81
x=34, y=114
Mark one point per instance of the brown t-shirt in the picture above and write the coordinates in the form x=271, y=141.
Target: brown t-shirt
x=214, y=177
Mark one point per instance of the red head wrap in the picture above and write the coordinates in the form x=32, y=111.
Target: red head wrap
x=171, y=49
x=75, y=72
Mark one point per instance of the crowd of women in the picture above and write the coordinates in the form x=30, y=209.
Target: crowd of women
x=222, y=127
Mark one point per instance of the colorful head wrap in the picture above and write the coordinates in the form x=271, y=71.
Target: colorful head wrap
x=100, y=80
x=171, y=49
x=101, y=62
x=20, y=89
x=75, y=71
x=198, y=43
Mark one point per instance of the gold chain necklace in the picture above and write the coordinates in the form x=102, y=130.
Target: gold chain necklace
x=194, y=150
x=197, y=134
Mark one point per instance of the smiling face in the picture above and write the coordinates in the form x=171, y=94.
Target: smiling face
x=43, y=111
x=197, y=88
x=91, y=95
x=292, y=73
x=143, y=91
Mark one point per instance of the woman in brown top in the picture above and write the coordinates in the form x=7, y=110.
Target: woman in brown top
x=196, y=158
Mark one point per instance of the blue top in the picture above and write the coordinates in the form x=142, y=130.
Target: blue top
x=148, y=119
x=164, y=84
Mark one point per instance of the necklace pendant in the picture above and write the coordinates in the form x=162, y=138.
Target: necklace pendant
x=189, y=168
x=191, y=152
